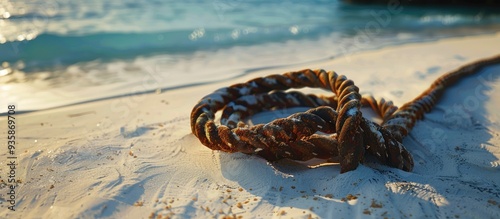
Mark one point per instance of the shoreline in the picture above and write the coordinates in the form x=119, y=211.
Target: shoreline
x=153, y=75
x=135, y=156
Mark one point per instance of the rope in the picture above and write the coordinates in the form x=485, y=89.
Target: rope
x=346, y=133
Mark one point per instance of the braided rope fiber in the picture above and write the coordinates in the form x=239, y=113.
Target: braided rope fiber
x=345, y=133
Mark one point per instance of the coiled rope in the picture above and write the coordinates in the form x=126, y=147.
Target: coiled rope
x=347, y=134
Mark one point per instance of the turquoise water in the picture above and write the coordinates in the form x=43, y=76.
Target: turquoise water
x=69, y=47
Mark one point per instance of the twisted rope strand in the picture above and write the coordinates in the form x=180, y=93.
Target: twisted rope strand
x=402, y=121
x=350, y=135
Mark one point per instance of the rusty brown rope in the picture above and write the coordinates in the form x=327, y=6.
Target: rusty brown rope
x=348, y=135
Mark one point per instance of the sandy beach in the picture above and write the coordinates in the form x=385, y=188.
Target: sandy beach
x=135, y=156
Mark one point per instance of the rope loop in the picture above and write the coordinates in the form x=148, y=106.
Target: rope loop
x=333, y=128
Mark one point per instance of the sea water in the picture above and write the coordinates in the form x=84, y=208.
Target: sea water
x=60, y=52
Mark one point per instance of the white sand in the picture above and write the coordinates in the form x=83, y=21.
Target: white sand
x=134, y=157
